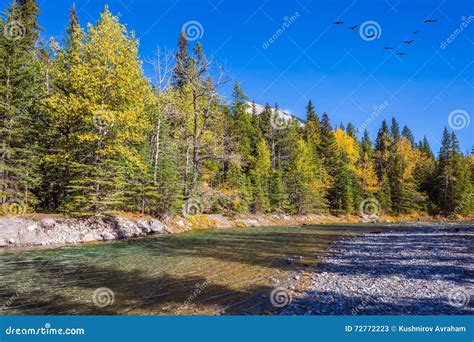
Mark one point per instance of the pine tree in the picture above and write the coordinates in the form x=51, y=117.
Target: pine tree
x=21, y=88
x=383, y=145
x=305, y=179
x=425, y=147
x=406, y=132
x=312, y=129
x=62, y=110
x=462, y=188
x=277, y=190
x=395, y=129
x=453, y=178
x=384, y=194
x=382, y=155
x=245, y=136
x=260, y=175
x=28, y=12
x=351, y=130
x=445, y=175
x=366, y=145
x=180, y=78
x=265, y=121
x=242, y=129
x=339, y=193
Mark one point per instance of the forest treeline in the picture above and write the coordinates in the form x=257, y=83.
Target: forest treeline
x=84, y=131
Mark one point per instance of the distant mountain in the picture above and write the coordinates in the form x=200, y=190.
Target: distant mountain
x=285, y=116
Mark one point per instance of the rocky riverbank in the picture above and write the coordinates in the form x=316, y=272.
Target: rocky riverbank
x=421, y=271
x=45, y=230
x=31, y=231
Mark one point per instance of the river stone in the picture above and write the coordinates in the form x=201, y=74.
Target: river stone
x=3, y=243
x=32, y=227
x=157, y=227
x=251, y=223
x=11, y=241
x=144, y=226
x=48, y=223
x=126, y=228
x=91, y=236
x=108, y=236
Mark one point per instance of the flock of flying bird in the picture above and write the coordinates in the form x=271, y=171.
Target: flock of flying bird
x=388, y=48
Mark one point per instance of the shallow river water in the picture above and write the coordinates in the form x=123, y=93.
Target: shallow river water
x=209, y=272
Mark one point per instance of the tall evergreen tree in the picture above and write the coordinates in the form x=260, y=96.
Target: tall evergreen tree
x=260, y=175
x=312, y=128
x=383, y=145
x=277, y=190
x=339, y=193
x=406, y=132
x=366, y=144
x=180, y=78
x=453, y=178
x=351, y=130
x=395, y=129
x=243, y=129
x=21, y=88
x=62, y=109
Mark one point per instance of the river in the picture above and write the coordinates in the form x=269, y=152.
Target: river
x=229, y=272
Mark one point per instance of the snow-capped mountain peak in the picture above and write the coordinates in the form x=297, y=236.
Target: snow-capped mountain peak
x=284, y=116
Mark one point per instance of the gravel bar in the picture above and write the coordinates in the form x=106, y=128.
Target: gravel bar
x=407, y=271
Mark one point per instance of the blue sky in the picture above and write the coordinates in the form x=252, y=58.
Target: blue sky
x=343, y=74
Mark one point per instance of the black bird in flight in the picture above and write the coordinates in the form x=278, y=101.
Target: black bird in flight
x=401, y=53
x=352, y=27
x=338, y=22
x=428, y=21
x=408, y=41
x=415, y=32
x=387, y=48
